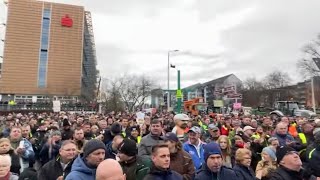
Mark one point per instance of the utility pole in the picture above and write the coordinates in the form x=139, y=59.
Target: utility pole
x=313, y=97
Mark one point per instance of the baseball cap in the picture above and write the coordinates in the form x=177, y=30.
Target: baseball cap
x=195, y=129
x=171, y=137
x=182, y=117
x=213, y=127
x=247, y=128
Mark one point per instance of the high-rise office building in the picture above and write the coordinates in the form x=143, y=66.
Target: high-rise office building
x=49, y=51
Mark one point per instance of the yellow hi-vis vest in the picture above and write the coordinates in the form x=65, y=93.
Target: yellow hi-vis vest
x=303, y=138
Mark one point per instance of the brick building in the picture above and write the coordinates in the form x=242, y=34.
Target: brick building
x=49, y=51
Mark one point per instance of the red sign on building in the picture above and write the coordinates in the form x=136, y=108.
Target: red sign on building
x=66, y=21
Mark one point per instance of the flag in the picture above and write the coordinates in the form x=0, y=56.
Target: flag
x=172, y=66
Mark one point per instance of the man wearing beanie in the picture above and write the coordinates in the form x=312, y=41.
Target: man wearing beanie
x=66, y=133
x=290, y=166
x=212, y=168
x=134, y=166
x=85, y=165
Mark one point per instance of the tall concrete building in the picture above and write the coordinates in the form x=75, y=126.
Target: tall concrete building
x=49, y=51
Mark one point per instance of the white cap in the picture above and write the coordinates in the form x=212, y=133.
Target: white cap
x=247, y=128
x=182, y=117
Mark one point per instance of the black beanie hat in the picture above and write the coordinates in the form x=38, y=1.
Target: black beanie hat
x=91, y=146
x=282, y=151
x=115, y=129
x=128, y=147
x=66, y=123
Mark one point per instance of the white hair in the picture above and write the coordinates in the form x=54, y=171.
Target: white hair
x=5, y=160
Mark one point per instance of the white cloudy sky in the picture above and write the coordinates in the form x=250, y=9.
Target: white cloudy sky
x=215, y=37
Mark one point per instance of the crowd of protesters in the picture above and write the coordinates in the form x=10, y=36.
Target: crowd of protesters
x=164, y=146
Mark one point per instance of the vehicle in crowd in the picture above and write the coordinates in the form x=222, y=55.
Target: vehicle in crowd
x=195, y=106
x=290, y=108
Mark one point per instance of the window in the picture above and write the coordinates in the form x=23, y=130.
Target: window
x=46, y=14
x=42, y=76
x=43, y=60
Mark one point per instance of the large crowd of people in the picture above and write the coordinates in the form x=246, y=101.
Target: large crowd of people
x=163, y=146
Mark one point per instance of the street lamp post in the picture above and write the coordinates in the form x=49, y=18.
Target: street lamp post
x=168, y=95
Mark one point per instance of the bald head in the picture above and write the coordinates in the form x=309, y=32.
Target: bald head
x=114, y=170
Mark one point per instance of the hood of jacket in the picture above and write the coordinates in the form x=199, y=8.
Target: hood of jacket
x=80, y=166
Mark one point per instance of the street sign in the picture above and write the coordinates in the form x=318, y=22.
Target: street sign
x=234, y=96
x=236, y=105
x=56, y=106
x=179, y=93
x=217, y=103
x=229, y=89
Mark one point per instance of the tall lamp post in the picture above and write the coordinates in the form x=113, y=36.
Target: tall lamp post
x=168, y=95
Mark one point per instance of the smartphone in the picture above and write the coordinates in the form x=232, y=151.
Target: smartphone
x=21, y=144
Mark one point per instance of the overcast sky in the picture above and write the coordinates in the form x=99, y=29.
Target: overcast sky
x=215, y=38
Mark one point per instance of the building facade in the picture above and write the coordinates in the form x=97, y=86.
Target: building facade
x=225, y=89
x=49, y=52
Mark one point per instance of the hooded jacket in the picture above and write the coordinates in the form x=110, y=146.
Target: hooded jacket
x=224, y=174
x=80, y=171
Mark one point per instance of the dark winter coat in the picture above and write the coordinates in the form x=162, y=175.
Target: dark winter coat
x=66, y=134
x=206, y=174
x=244, y=173
x=15, y=162
x=44, y=153
x=137, y=168
x=314, y=161
x=53, y=169
x=182, y=163
x=283, y=173
x=158, y=174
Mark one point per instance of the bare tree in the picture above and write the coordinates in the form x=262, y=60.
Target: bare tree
x=277, y=79
x=306, y=65
x=251, y=83
x=133, y=90
x=252, y=91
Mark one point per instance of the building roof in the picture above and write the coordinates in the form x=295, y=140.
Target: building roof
x=219, y=80
x=215, y=81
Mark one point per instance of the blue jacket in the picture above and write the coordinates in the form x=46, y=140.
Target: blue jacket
x=225, y=173
x=29, y=153
x=283, y=139
x=191, y=149
x=157, y=174
x=80, y=171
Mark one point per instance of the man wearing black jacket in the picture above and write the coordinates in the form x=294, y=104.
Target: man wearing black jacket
x=290, y=166
x=60, y=167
